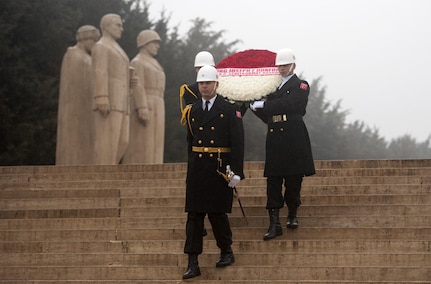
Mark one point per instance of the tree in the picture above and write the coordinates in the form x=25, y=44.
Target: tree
x=29, y=72
x=325, y=123
x=406, y=147
x=363, y=142
x=332, y=138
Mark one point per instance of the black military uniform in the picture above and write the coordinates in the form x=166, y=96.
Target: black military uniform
x=215, y=139
x=288, y=148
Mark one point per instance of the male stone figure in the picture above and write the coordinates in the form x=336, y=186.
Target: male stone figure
x=147, y=120
x=111, y=93
x=75, y=120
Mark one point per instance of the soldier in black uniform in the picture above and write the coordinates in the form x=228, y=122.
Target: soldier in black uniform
x=288, y=149
x=189, y=94
x=215, y=139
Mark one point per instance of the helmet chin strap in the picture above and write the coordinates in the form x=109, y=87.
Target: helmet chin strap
x=288, y=72
x=290, y=69
x=214, y=89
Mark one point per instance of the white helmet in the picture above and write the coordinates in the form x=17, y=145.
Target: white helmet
x=204, y=58
x=284, y=56
x=207, y=74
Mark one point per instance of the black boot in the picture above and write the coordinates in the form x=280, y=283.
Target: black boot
x=226, y=258
x=192, y=268
x=274, y=229
x=292, y=222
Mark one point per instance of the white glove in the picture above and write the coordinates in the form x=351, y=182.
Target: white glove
x=258, y=104
x=234, y=181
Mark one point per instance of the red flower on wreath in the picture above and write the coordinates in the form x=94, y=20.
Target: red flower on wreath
x=252, y=58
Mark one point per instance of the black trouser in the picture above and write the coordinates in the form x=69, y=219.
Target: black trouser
x=194, y=227
x=292, y=194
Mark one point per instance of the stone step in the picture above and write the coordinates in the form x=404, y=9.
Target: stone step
x=59, y=213
x=250, y=210
x=270, y=272
x=189, y=281
x=206, y=281
x=180, y=191
x=133, y=175
x=60, y=203
x=168, y=167
x=239, y=233
x=249, y=233
x=306, y=190
x=177, y=258
x=304, y=210
x=260, y=182
x=180, y=175
x=394, y=221
x=382, y=246
x=55, y=193
x=246, y=201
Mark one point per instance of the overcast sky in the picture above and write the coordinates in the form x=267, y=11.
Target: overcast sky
x=373, y=55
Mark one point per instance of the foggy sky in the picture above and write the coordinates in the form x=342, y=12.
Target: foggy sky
x=373, y=55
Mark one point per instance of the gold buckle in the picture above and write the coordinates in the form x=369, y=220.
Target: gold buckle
x=279, y=118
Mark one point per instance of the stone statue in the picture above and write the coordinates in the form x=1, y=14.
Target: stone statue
x=111, y=93
x=147, y=121
x=75, y=117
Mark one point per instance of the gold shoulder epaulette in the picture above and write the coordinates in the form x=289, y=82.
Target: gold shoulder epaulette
x=184, y=114
x=183, y=89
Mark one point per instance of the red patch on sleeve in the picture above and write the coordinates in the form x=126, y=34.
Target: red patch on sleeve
x=238, y=114
x=303, y=86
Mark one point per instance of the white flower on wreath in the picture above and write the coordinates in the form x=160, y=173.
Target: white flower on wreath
x=248, y=88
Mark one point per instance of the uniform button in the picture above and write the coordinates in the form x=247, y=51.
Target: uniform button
x=201, y=128
x=199, y=142
x=206, y=149
x=212, y=142
x=221, y=115
x=271, y=130
x=281, y=129
x=200, y=155
x=212, y=128
x=193, y=119
x=211, y=155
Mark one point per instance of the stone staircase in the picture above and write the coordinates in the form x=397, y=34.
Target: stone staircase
x=362, y=221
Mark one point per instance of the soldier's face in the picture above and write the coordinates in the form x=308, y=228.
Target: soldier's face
x=208, y=89
x=286, y=70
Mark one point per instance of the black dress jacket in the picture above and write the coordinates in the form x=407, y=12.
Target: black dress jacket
x=288, y=147
x=219, y=128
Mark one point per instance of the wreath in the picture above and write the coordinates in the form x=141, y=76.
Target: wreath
x=248, y=75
